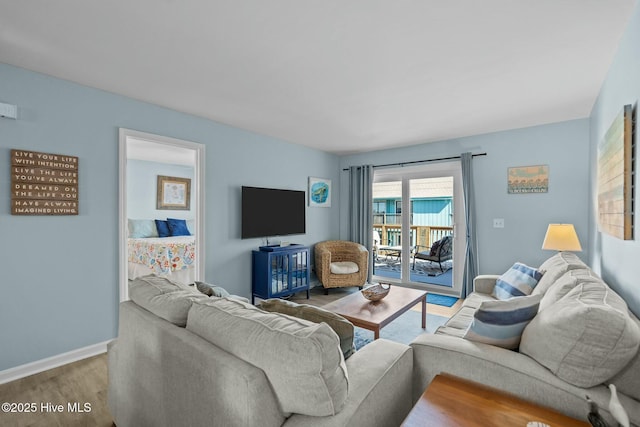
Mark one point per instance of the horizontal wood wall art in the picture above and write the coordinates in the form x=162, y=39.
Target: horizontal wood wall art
x=615, y=177
x=43, y=183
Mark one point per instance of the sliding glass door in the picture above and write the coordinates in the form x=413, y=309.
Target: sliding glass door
x=416, y=213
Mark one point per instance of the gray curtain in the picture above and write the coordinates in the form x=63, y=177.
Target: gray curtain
x=360, y=209
x=471, y=256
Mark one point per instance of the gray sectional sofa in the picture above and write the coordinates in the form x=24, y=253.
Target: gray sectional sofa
x=581, y=339
x=182, y=358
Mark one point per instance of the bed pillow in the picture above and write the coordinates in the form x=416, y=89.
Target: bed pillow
x=501, y=323
x=178, y=227
x=163, y=228
x=191, y=226
x=141, y=228
x=518, y=281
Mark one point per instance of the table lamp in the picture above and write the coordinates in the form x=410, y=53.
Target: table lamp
x=561, y=237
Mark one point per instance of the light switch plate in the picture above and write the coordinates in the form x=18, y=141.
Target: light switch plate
x=498, y=222
x=9, y=111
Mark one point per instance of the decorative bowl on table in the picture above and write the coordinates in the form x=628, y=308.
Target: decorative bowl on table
x=376, y=291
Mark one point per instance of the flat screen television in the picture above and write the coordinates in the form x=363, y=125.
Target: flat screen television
x=268, y=212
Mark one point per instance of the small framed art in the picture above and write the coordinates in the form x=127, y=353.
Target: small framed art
x=173, y=193
x=528, y=179
x=319, y=192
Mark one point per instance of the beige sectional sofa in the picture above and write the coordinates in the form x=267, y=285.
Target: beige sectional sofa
x=582, y=338
x=184, y=359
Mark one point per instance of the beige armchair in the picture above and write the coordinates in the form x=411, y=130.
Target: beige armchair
x=341, y=263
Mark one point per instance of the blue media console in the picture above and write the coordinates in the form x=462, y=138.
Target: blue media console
x=279, y=271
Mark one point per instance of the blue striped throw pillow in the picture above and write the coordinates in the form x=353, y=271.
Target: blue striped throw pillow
x=501, y=323
x=518, y=281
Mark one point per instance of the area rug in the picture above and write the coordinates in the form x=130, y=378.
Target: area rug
x=404, y=329
x=443, y=300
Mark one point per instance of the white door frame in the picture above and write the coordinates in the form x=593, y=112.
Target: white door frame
x=198, y=188
x=431, y=170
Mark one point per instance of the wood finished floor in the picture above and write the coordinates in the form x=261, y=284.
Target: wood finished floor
x=85, y=381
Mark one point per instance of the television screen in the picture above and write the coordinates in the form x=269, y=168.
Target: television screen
x=270, y=212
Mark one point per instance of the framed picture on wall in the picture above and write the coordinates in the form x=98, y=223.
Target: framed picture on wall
x=528, y=179
x=173, y=193
x=319, y=192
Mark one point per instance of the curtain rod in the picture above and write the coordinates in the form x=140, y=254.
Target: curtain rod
x=421, y=161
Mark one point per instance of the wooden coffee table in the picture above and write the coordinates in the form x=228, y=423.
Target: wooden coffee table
x=376, y=315
x=451, y=401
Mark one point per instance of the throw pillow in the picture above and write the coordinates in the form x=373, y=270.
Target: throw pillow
x=584, y=338
x=142, y=228
x=177, y=227
x=501, y=323
x=212, y=290
x=518, y=281
x=163, y=228
x=339, y=324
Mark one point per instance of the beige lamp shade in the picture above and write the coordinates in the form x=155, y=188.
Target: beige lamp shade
x=561, y=237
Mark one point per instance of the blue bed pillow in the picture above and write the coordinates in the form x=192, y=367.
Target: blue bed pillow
x=163, y=228
x=178, y=227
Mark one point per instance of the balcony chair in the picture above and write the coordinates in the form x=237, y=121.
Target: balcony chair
x=440, y=251
x=340, y=263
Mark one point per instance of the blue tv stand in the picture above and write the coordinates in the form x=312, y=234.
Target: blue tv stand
x=279, y=271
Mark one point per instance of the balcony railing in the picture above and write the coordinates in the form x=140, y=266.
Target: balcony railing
x=423, y=235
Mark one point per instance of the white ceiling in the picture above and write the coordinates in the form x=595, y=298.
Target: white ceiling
x=342, y=76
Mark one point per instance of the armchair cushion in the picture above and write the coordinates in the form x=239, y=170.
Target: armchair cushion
x=344, y=267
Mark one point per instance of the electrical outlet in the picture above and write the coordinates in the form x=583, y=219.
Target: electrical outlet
x=498, y=222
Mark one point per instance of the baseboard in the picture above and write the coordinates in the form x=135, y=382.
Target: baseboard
x=38, y=366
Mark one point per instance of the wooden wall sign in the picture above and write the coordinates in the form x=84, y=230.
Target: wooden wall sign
x=43, y=183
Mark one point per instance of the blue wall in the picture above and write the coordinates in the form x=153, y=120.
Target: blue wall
x=562, y=146
x=59, y=286
x=617, y=260
x=142, y=180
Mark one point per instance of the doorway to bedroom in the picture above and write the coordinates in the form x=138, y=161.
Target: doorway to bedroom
x=161, y=208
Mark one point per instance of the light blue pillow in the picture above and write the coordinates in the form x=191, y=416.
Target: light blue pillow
x=501, y=323
x=140, y=228
x=191, y=226
x=518, y=281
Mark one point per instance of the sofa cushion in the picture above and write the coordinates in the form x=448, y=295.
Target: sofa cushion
x=555, y=267
x=301, y=359
x=565, y=283
x=584, y=338
x=164, y=298
x=339, y=324
x=343, y=267
x=518, y=281
x=501, y=322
